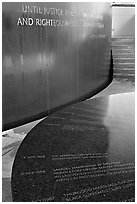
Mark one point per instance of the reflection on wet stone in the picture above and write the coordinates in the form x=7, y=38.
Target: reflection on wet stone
x=72, y=156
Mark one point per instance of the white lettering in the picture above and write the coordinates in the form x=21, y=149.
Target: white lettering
x=19, y=22
x=24, y=8
x=25, y=21
x=30, y=21
x=38, y=21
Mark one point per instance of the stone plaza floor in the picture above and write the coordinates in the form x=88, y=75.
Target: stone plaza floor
x=12, y=139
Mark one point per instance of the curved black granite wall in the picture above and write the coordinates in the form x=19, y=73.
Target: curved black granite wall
x=53, y=54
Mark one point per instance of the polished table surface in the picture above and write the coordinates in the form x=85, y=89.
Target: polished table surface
x=84, y=152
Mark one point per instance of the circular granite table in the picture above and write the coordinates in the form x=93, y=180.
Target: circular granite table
x=84, y=152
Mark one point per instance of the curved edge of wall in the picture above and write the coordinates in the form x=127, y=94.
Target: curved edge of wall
x=49, y=112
